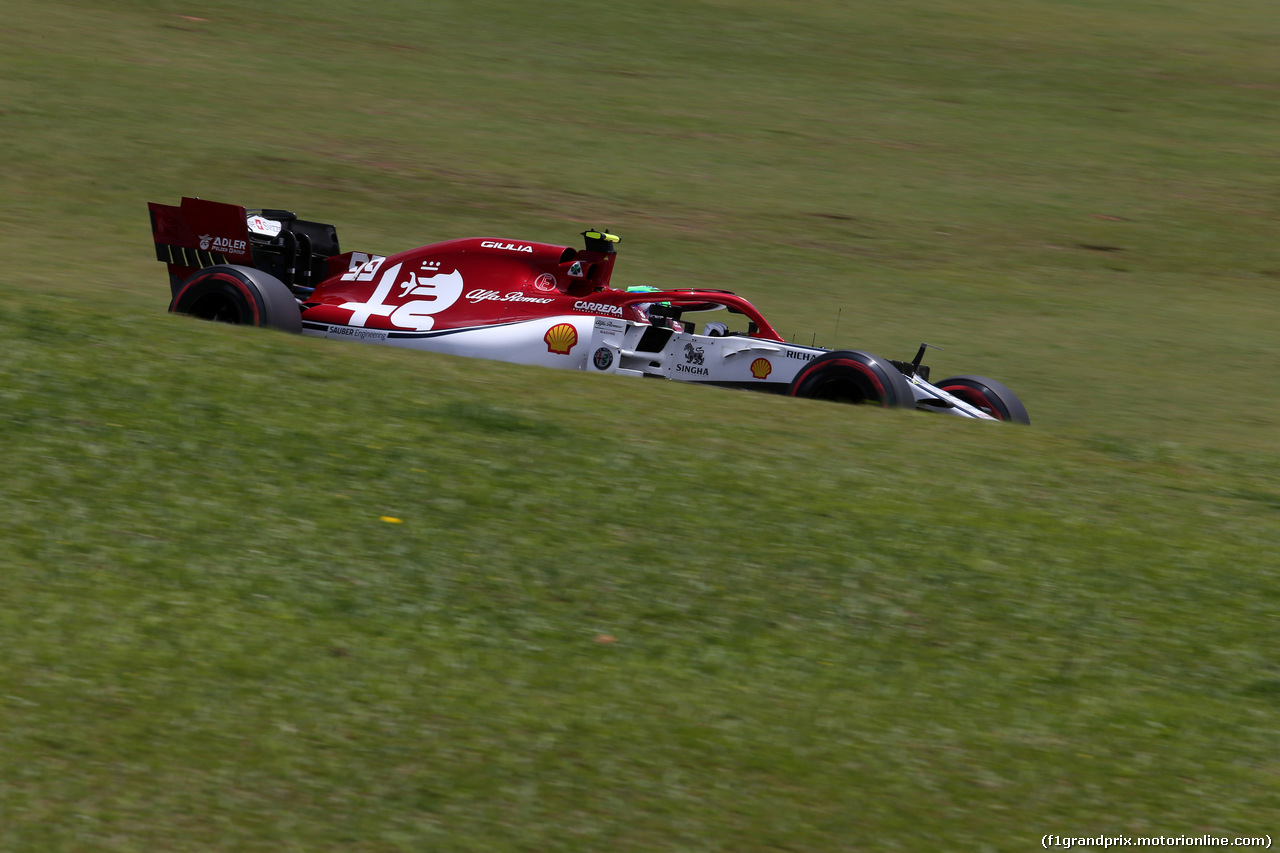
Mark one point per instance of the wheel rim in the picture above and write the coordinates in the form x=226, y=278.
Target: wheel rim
x=856, y=384
x=977, y=399
x=216, y=306
x=842, y=390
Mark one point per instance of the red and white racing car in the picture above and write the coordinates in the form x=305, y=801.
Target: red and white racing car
x=522, y=302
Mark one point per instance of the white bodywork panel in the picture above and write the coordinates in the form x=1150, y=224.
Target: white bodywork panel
x=610, y=345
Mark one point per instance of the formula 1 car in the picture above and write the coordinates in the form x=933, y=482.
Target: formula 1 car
x=519, y=301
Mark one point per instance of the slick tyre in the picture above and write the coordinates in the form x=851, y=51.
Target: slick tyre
x=989, y=396
x=849, y=376
x=239, y=295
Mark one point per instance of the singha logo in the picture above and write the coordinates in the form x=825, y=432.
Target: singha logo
x=692, y=354
x=204, y=242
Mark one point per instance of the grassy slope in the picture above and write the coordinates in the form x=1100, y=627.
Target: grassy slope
x=833, y=628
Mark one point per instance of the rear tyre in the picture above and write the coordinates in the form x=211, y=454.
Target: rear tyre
x=850, y=376
x=989, y=396
x=239, y=295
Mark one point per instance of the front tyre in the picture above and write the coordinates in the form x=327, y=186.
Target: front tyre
x=850, y=376
x=239, y=295
x=987, y=395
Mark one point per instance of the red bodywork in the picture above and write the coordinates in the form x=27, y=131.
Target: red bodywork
x=462, y=284
x=455, y=284
x=199, y=234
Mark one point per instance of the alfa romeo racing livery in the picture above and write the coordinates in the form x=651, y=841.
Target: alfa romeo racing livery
x=523, y=302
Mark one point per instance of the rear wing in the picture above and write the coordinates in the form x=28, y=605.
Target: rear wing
x=197, y=234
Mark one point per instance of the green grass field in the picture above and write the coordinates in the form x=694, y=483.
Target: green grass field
x=617, y=615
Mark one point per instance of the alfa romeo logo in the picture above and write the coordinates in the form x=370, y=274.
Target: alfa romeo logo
x=602, y=358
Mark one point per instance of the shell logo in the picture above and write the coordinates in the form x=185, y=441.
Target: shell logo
x=561, y=338
x=761, y=368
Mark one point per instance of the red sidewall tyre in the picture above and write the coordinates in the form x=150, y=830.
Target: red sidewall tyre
x=850, y=376
x=238, y=295
x=989, y=396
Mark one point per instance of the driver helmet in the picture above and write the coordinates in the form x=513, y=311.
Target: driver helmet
x=645, y=306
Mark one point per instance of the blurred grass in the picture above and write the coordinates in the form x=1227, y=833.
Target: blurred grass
x=638, y=615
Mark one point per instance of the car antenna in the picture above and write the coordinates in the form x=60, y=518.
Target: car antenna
x=838, y=313
x=814, y=342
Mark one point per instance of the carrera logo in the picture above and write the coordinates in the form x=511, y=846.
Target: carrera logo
x=222, y=244
x=598, y=308
x=510, y=247
x=561, y=338
x=761, y=368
